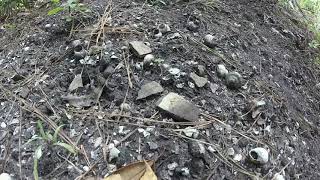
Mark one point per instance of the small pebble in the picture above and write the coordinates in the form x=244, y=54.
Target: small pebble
x=222, y=71
x=172, y=166
x=230, y=151
x=3, y=125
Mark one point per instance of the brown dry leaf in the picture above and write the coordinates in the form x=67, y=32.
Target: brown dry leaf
x=149, y=174
x=132, y=171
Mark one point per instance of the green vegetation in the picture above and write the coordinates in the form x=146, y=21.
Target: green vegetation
x=9, y=6
x=71, y=7
x=49, y=139
x=310, y=9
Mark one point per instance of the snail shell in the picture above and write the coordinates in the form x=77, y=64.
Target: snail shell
x=259, y=155
x=233, y=80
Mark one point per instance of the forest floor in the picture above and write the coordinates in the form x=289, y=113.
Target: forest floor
x=99, y=88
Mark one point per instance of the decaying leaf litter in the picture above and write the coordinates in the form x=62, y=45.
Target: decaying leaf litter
x=205, y=89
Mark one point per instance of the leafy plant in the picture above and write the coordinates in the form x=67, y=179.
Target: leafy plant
x=72, y=7
x=51, y=140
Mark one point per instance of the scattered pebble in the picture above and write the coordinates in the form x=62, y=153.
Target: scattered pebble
x=153, y=146
x=185, y=171
x=98, y=142
x=199, y=81
x=3, y=125
x=191, y=132
x=214, y=87
x=201, y=70
x=86, y=168
x=230, y=151
x=174, y=71
x=148, y=59
x=172, y=166
x=113, y=153
x=125, y=107
x=237, y=157
x=222, y=71
x=192, y=26
x=209, y=41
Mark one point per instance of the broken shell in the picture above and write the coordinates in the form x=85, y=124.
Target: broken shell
x=76, y=43
x=233, y=80
x=209, y=41
x=79, y=52
x=259, y=155
x=157, y=33
x=222, y=70
x=164, y=28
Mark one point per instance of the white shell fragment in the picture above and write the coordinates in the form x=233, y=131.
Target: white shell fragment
x=259, y=155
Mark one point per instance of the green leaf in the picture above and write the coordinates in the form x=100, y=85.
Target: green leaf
x=35, y=169
x=67, y=147
x=38, y=152
x=42, y=133
x=33, y=138
x=55, y=11
x=55, y=1
x=50, y=137
x=56, y=132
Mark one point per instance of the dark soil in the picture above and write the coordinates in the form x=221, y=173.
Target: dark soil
x=262, y=41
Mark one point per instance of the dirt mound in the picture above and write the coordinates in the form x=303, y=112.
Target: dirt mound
x=119, y=105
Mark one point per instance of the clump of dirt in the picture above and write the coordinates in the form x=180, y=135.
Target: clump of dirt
x=88, y=77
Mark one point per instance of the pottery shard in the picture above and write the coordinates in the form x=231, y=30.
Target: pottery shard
x=178, y=107
x=139, y=48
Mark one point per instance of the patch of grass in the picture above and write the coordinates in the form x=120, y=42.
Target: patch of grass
x=51, y=140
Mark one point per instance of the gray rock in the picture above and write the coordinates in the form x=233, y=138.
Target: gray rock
x=179, y=107
x=199, y=81
x=149, y=89
x=139, y=48
x=76, y=83
x=318, y=86
x=201, y=70
x=153, y=146
x=24, y=92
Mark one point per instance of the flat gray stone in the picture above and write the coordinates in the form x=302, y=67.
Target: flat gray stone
x=139, y=48
x=178, y=107
x=149, y=89
x=199, y=81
